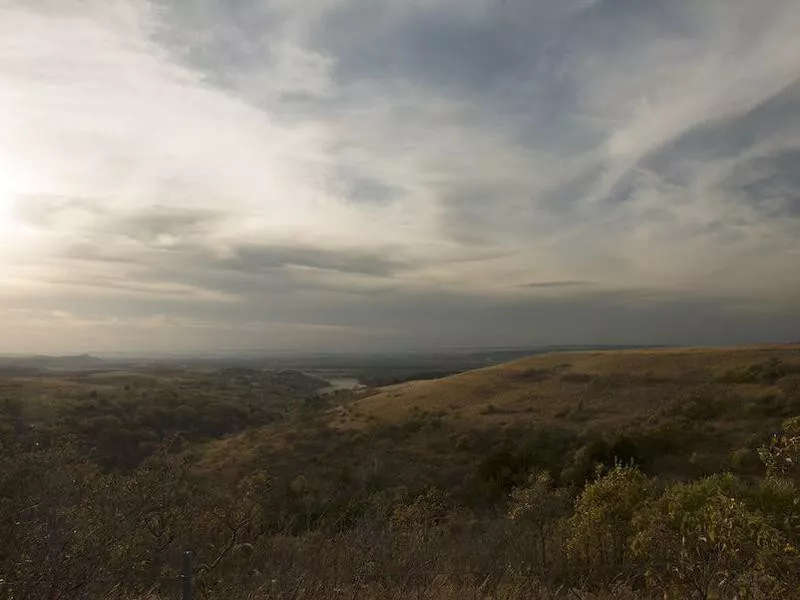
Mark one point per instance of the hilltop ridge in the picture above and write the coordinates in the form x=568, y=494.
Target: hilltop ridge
x=607, y=388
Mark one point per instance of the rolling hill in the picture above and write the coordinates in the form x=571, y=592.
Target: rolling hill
x=610, y=389
x=675, y=412
x=425, y=477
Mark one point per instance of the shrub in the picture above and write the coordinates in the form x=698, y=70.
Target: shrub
x=743, y=460
x=534, y=375
x=577, y=377
x=782, y=455
x=768, y=371
x=600, y=527
x=697, y=539
x=586, y=461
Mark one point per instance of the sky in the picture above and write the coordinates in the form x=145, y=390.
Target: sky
x=350, y=175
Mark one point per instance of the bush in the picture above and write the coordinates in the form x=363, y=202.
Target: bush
x=697, y=539
x=768, y=371
x=782, y=455
x=600, y=527
x=534, y=375
x=586, y=461
x=577, y=377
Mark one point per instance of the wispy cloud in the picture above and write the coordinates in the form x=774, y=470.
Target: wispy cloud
x=340, y=163
x=556, y=284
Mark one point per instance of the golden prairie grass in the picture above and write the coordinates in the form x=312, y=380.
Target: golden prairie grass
x=612, y=388
x=678, y=396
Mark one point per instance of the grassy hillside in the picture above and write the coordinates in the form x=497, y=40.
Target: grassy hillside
x=598, y=389
x=512, y=481
x=675, y=413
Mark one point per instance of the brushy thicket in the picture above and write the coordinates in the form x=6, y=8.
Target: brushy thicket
x=71, y=530
x=546, y=514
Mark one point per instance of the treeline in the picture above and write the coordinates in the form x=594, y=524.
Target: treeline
x=118, y=426
x=381, y=378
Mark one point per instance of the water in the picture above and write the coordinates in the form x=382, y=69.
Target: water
x=341, y=383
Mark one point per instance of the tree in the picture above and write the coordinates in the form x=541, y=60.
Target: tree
x=540, y=506
x=601, y=524
x=699, y=541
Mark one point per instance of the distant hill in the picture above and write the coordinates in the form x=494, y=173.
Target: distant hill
x=73, y=362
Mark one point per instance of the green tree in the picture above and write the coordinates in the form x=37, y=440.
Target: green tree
x=699, y=541
x=601, y=526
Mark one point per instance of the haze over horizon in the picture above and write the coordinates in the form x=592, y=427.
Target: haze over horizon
x=364, y=175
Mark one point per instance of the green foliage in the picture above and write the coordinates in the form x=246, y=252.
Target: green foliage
x=778, y=498
x=768, y=371
x=782, y=455
x=698, y=539
x=701, y=407
x=769, y=405
x=123, y=426
x=743, y=460
x=538, y=502
x=586, y=461
x=601, y=524
x=430, y=509
x=503, y=470
x=106, y=492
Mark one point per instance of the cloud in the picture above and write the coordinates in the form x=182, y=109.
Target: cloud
x=400, y=169
x=556, y=284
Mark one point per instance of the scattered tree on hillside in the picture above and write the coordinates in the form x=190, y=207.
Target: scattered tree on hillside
x=601, y=525
x=541, y=506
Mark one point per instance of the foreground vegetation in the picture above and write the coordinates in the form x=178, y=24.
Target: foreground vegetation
x=106, y=479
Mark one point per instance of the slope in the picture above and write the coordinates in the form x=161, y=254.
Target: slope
x=599, y=390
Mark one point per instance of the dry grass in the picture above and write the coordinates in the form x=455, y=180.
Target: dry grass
x=676, y=403
x=608, y=389
x=441, y=589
